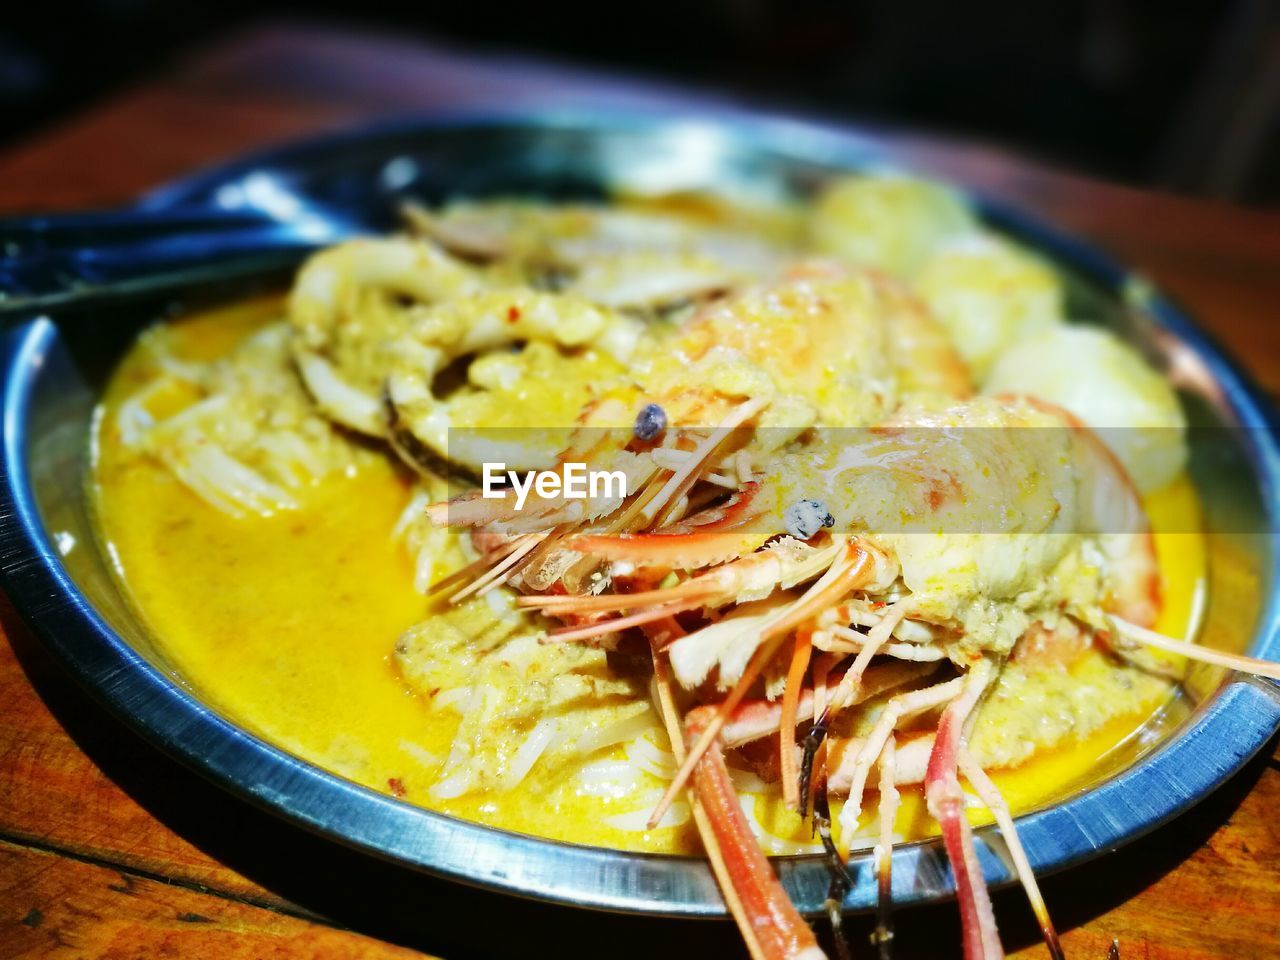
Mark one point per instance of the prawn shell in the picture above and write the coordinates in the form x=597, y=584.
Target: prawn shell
x=691, y=551
x=1135, y=588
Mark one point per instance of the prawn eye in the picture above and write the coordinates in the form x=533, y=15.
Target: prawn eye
x=804, y=518
x=650, y=421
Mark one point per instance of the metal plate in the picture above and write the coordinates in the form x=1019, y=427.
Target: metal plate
x=53, y=370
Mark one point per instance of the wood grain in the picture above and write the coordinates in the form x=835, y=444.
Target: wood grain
x=82, y=800
x=57, y=907
x=57, y=796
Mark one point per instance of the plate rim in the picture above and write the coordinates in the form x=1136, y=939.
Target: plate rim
x=1241, y=715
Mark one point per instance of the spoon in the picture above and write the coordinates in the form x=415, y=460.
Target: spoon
x=70, y=260
x=267, y=211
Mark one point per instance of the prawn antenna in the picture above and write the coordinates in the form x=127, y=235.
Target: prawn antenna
x=1193, y=651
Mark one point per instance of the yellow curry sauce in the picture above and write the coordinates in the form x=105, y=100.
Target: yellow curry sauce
x=287, y=624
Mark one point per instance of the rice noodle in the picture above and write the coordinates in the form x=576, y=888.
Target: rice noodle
x=744, y=781
x=527, y=755
x=193, y=415
x=612, y=779
x=454, y=786
x=155, y=342
x=610, y=734
x=421, y=754
x=460, y=774
x=424, y=566
x=429, y=546
x=251, y=433
x=226, y=483
x=459, y=698
x=307, y=464
x=133, y=419
x=636, y=821
x=413, y=510
x=773, y=845
x=651, y=758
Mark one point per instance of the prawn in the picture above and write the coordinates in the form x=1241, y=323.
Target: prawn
x=978, y=570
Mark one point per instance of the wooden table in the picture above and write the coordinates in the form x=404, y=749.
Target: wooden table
x=108, y=849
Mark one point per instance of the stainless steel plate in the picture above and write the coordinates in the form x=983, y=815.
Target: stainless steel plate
x=54, y=366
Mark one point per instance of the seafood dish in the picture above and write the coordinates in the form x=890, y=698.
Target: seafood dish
x=683, y=524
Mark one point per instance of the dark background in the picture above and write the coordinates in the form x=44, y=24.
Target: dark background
x=1176, y=95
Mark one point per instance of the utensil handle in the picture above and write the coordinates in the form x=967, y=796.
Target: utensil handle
x=53, y=261
x=51, y=233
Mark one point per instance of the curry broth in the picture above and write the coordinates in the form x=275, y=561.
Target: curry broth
x=286, y=625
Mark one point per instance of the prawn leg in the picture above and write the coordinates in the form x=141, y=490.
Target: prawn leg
x=889, y=800
x=779, y=929
x=945, y=800
x=990, y=795
x=846, y=690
